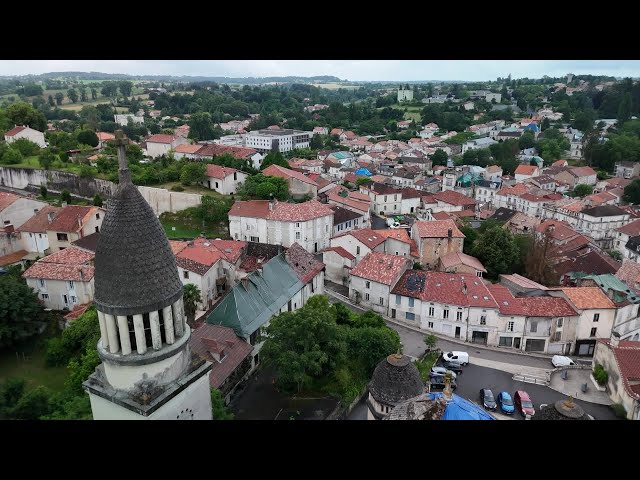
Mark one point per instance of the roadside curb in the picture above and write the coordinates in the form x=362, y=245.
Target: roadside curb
x=440, y=336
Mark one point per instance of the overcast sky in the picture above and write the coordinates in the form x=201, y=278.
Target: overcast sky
x=354, y=70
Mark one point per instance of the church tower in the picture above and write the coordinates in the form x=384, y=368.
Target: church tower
x=148, y=371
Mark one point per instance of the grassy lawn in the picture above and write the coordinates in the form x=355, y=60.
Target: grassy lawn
x=190, y=189
x=176, y=227
x=28, y=162
x=32, y=368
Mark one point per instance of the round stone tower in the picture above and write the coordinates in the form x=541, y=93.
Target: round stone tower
x=144, y=338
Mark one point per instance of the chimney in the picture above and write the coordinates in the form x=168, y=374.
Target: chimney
x=50, y=216
x=8, y=228
x=615, y=339
x=64, y=204
x=271, y=203
x=450, y=233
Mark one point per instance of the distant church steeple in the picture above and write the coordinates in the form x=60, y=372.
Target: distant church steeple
x=147, y=370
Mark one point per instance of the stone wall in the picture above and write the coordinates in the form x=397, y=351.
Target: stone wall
x=160, y=199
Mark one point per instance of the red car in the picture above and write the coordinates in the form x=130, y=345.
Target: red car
x=523, y=403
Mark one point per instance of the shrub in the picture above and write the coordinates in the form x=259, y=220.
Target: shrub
x=600, y=374
x=177, y=188
x=43, y=191
x=619, y=410
x=430, y=341
x=66, y=196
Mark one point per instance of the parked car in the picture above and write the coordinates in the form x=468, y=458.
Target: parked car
x=441, y=370
x=487, y=400
x=437, y=382
x=505, y=403
x=523, y=403
x=455, y=367
x=561, y=361
x=461, y=357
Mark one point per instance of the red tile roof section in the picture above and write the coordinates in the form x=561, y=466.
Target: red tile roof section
x=79, y=272
x=340, y=251
x=161, y=138
x=530, y=306
x=186, y=148
x=632, y=229
x=381, y=267
x=14, y=131
x=12, y=258
x=370, y=238
x=627, y=355
x=454, y=198
x=69, y=256
x=526, y=170
x=303, y=263
x=216, y=171
x=446, y=288
x=71, y=218
x=282, y=211
x=438, y=229
x=458, y=258
x=223, y=341
x=214, y=150
x=588, y=297
x=7, y=199
x=278, y=171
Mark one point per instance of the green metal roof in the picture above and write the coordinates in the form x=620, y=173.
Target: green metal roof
x=621, y=289
x=247, y=308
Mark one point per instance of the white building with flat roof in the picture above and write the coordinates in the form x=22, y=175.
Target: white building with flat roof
x=279, y=140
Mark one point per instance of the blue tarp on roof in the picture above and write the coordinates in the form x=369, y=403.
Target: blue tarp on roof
x=461, y=409
x=363, y=171
x=532, y=127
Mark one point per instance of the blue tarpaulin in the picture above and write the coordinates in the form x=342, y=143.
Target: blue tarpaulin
x=363, y=171
x=461, y=409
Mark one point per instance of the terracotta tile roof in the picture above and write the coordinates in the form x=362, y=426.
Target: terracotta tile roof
x=361, y=197
x=65, y=270
x=282, y=211
x=7, y=199
x=214, y=150
x=522, y=281
x=77, y=311
x=231, y=249
x=340, y=251
x=224, y=342
x=39, y=223
x=458, y=258
x=517, y=189
x=586, y=261
x=69, y=256
x=576, y=243
x=532, y=198
x=557, y=229
x=446, y=288
x=438, y=229
x=177, y=246
x=161, y=138
x=201, y=254
x=530, y=306
x=618, y=181
x=559, y=163
x=216, y=171
x=526, y=170
x=333, y=196
x=587, y=297
x=493, y=169
x=303, y=263
x=399, y=234
x=14, y=131
x=186, y=148
x=632, y=229
x=629, y=272
x=381, y=267
x=12, y=258
x=104, y=136
x=441, y=215
x=408, y=193
x=367, y=236
x=582, y=171
x=278, y=171
x=71, y=218
x=627, y=355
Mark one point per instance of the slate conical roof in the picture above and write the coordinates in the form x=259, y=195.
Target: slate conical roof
x=395, y=380
x=135, y=269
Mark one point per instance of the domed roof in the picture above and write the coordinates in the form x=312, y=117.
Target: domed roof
x=561, y=410
x=433, y=406
x=135, y=269
x=395, y=379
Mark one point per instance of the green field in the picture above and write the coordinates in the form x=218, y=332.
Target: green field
x=190, y=189
x=336, y=86
x=412, y=113
x=31, y=367
x=189, y=228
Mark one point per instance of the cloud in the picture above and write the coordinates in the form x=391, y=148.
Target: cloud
x=354, y=70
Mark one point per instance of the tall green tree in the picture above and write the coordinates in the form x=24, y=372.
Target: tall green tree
x=51, y=101
x=83, y=94
x=537, y=264
x=497, y=249
x=274, y=158
x=439, y=157
x=582, y=190
x=22, y=113
x=191, y=297
x=632, y=192
x=192, y=173
x=303, y=345
x=624, y=110
x=218, y=408
x=94, y=93
x=21, y=314
x=72, y=93
x=125, y=87
x=201, y=126
x=87, y=137
x=59, y=98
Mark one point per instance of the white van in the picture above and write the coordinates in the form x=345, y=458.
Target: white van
x=461, y=357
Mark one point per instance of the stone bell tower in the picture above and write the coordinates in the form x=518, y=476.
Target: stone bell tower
x=148, y=371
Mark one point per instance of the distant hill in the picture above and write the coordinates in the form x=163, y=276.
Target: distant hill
x=171, y=78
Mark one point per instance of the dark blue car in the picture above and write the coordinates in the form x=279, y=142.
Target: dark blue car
x=505, y=402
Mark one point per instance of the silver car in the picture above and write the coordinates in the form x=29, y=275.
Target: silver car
x=442, y=371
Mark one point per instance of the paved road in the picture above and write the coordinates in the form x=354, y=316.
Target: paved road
x=475, y=377
x=378, y=223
